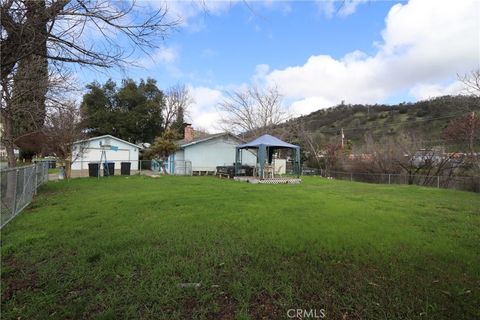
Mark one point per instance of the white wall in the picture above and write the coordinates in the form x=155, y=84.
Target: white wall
x=206, y=156
x=280, y=166
x=170, y=165
x=92, y=153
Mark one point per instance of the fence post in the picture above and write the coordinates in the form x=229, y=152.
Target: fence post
x=351, y=176
x=438, y=181
x=15, y=193
x=36, y=178
x=389, y=178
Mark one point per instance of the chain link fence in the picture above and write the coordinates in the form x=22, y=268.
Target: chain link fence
x=82, y=169
x=447, y=182
x=18, y=186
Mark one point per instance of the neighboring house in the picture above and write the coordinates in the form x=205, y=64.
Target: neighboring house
x=116, y=150
x=3, y=152
x=202, y=155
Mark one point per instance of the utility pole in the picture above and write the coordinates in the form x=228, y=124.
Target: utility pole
x=472, y=131
x=343, y=137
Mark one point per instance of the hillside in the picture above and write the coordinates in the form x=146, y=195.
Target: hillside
x=428, y=118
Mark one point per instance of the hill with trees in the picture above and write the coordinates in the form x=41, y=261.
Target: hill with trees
x=427, y=119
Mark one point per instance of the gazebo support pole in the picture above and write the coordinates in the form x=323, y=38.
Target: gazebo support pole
x=297, y=162
x=237, y=159
x=262, y=153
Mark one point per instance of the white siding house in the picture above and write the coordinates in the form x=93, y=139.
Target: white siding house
x=206, y=153
x=90, y=150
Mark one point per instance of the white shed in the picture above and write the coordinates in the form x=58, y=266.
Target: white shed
x=90, y=150
x=205, y=153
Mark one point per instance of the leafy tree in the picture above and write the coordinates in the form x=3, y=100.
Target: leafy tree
x=98, y=108
x=163, y=146
x=132, y=112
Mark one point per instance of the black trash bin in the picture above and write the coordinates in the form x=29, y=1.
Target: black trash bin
x=109, y=169
x=125, y=168
x=93, y=169
x=52, y=164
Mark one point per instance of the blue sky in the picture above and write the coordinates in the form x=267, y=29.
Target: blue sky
x=317, y=53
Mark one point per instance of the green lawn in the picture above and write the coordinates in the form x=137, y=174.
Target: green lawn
x=53, y=170
x=119, y=247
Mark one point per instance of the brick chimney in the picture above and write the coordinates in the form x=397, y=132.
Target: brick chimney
x=188, y=132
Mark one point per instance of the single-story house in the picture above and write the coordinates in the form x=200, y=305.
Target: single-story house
x=116, y=150
x=202, y=155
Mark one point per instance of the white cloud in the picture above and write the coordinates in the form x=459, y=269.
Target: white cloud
x=191, y=13
x=429, y=90
x=350, y=6
x=343, y=8
x=308, y=105
x=261, y=71
x=424, y=43
x=186, y=11
x=203, y=112
x=161, y=56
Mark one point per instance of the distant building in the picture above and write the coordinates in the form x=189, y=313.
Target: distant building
x=116, y=150
x=3, y=150
x=202, y=155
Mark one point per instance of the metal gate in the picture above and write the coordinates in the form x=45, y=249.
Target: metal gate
x=183, y=168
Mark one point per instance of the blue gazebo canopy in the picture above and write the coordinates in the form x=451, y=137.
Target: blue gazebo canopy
x=268, y=141
x=265, y=145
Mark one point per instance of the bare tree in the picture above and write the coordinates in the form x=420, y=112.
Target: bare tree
x=61, y=25
x=62, y=129
x=383, y=156
x=24, y=106
x=311, y=142
x=471, y=81
x=464, y=130
x=252, y=111
x=417, y=157
x=407, y=154
x=178, y=100
x=333, y=154
x=465, y=133
x=38, y=36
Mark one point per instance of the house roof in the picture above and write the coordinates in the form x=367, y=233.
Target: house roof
x=185, y=143
x=111, y=137
x=269, y=141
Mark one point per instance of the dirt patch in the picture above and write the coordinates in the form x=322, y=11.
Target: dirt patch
x=226, y=307
x=12, y=283
x=265, y=306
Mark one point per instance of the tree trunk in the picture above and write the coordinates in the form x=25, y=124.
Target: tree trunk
x=68, y=168
x=7, y=140
x=11, y=186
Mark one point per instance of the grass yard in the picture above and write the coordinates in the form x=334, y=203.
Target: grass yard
x=119, y=247
x=53, y=170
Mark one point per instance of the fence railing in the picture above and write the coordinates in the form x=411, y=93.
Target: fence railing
x=17, y=188
x=447, y=182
